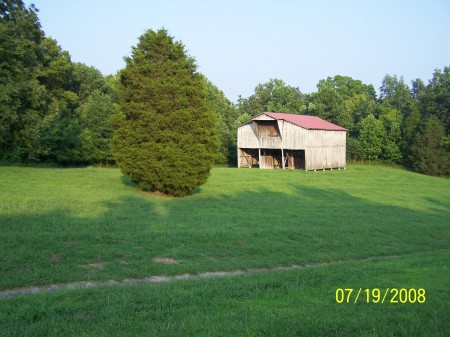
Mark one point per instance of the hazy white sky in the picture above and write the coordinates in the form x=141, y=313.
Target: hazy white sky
x=238, y=44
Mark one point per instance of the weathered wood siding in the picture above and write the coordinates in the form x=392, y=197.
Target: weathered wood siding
x=318, y=158
x=270, y=142
x=247, y=137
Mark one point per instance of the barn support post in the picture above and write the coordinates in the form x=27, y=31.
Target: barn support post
x=282, y=158
x=259, y=157
x=239, y=157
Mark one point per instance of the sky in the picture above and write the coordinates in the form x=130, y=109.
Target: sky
x=239, y=44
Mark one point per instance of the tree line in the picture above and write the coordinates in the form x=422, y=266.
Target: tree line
x=54, y=110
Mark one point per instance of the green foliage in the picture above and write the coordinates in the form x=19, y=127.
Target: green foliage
x=410, y=128
x=164, y=138
x=330, y=105
x=56, y=72
x=395, y=92
x=371, y=137
x=359, y=106
x=430, y=148
x=274, y=95
x=95, y=116
x=426, y=130
x=355, y=150
x=391, y=119
x=225, y=114
x=89, y=79
x=435, y=97
x=20, y=37
x=342, y=100
x=23, y=99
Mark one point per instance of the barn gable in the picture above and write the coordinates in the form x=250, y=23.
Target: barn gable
x=280, y=140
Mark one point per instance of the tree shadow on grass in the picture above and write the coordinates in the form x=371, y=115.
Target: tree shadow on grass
x=248, y=229
x=126, y=180
x=438, y=205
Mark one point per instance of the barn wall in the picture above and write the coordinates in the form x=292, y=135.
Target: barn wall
x=318, y=158
x=294, y=137
x=323, y=138
x=270, y=142
x=247, y=136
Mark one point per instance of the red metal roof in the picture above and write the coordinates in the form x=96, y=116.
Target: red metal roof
x=306, y=122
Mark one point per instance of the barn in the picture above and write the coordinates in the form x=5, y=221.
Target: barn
x=282, y=140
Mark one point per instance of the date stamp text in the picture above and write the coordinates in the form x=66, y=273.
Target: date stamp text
x=376, y=295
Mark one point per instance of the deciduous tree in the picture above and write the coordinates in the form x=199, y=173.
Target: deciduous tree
x=23, y=100
x=274, y=95
x=226, y=114
x=371, y=137
x=95, y=115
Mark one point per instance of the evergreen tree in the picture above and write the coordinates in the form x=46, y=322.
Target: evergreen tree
x=164, y=137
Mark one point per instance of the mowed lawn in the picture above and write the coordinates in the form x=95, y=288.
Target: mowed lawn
x=365, y=227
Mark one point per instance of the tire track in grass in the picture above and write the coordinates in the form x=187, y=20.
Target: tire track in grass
x=183, y=277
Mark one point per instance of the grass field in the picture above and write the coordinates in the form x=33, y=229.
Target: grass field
x=366, y=227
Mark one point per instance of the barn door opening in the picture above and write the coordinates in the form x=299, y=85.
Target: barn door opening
x=267, y=129
x=248, y=158
x=271, y=158
x=295, y=159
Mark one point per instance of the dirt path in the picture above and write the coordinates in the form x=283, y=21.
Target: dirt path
x=165, y=279
x=147, y=280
